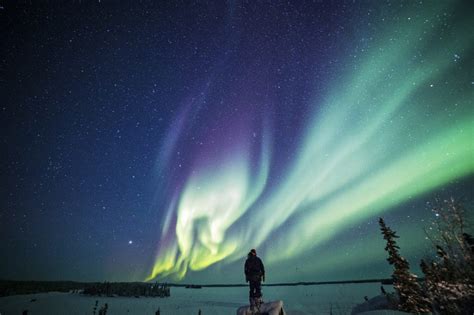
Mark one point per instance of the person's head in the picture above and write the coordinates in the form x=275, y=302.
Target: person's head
x=253, y=252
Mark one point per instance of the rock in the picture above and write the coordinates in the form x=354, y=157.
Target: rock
x=269, y=308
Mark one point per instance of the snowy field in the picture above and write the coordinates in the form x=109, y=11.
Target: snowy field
x=213, y=301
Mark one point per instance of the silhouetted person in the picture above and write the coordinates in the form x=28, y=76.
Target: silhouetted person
x=254, y=275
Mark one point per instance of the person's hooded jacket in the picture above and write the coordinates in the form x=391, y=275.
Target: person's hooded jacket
x=254, y=269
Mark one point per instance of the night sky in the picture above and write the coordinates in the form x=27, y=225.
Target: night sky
x=166, y=139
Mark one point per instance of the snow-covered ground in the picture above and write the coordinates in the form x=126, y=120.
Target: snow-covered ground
x=213, y=301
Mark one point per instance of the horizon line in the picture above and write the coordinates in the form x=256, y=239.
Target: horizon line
x=387, y=281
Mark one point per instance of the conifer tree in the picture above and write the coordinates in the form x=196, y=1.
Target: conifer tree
x=449, y=279
x=404, y=282
x=469, y=243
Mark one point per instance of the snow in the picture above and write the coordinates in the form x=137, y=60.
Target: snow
x=299, y=300
x=272, y=308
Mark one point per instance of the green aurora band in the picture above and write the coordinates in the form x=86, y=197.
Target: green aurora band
x=401, y=125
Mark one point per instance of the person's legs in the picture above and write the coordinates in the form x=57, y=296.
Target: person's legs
x=253, y=290
x=258, y=289
x=255, y=294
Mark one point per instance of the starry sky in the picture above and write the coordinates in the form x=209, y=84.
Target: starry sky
x=163, y=140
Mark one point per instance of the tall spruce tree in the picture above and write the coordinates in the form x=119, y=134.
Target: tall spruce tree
x=404, y=282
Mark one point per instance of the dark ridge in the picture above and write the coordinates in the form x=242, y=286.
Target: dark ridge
x=286, y=284
x=12, y=287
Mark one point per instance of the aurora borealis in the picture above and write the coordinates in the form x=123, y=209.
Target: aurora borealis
x=369, y=147
x=163, y=141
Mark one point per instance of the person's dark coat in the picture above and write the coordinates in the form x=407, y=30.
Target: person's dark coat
x=254, y=269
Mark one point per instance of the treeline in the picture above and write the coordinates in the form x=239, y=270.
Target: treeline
x=136, y=289
x=8, y=287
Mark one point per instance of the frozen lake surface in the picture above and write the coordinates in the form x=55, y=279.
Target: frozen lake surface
x=297, y=300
